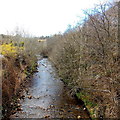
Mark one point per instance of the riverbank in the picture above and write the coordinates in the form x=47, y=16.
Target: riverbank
x=46, y=97
x=16, y=73
x=87, y=60
x=18, y=65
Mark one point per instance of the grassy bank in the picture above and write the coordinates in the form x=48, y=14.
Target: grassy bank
x=87, y=60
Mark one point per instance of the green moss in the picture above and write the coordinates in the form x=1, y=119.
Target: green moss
x=26, y=72
x=90, y=105
x=31, y=68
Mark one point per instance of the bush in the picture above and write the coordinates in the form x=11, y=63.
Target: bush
x=87, y=58
x=8, y=50
x=18, y=64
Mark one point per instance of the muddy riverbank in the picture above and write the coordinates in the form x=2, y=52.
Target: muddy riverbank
x=46, y=97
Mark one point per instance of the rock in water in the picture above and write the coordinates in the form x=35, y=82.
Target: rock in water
x=78, y=117
x=30, y=97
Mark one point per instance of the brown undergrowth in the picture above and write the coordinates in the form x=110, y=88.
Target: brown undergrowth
x=87, y=60
x=15, y=73
x=19, y=62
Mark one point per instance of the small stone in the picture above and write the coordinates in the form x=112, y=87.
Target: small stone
x=44, y=109
x=11, y=103
x=78, y=117
x=77, y=108
x=22, y=97
x=16, y=116
x=84, y=108
x=47, y=116
x=19, y=109
x=51, y=106
x=69, y=111
x=28, y=93
x=62, y=110
x=18, y=99
x=13, y=112
x=30, y=97
x=60, y=113
x=18, y=105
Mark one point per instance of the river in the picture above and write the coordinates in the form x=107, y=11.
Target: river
x=46, y=97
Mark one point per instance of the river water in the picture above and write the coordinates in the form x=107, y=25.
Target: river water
x=46, y=97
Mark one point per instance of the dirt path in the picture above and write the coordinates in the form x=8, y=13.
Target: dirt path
x=46, y=97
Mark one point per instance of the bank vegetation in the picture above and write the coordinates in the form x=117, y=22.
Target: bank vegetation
x=87, y=60
x=19, y=62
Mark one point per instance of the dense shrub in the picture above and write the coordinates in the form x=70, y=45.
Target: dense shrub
x=87, y=60
x=19, y=62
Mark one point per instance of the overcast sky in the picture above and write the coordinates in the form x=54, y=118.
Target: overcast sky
x=41, y=17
